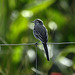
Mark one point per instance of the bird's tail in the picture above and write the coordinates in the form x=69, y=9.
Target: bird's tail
x=46, y=50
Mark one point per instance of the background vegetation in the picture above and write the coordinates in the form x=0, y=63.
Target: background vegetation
x=16, y=27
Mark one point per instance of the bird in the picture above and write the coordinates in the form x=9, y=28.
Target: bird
x=40, y=32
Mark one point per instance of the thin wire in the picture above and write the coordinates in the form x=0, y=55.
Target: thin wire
x=35, y=43
x=63, y=43
x=36, y=57
x=17, y=44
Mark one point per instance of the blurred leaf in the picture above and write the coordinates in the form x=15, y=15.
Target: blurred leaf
x=41, y=6
x=67, y=50
x=17, y=54
x=12, y=3
x=17, y=27
x=58, y=17
x=3, y=18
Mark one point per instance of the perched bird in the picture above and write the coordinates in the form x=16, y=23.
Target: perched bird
x=40, y=33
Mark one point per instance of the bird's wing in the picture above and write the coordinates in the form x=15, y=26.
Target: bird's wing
x=41, y=33
x=38, y=35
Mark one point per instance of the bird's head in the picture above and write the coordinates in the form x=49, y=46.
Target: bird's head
x=38, y=22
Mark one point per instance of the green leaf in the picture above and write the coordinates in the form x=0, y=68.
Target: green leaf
x=17, y=54
x=17, y=27
x=67, y=50
x=42, y=6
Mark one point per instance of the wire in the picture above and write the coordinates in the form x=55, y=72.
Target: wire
x=17, y=44
x=63, y=43
x=35, y=43
x=36, y=56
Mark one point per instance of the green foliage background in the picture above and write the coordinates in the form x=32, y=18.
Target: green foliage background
x=16, y=27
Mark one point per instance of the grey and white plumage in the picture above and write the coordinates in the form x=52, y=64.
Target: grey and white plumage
x=40, y=33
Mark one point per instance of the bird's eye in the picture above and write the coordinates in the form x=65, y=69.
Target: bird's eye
x=39, y=21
